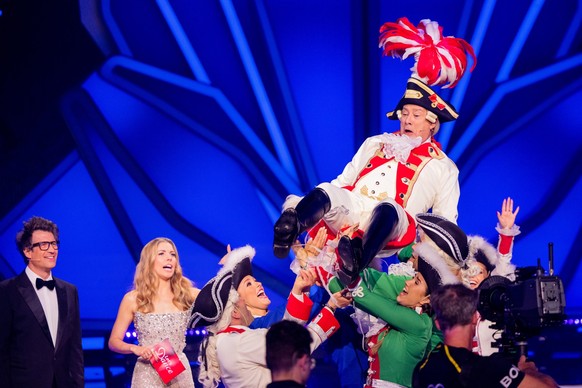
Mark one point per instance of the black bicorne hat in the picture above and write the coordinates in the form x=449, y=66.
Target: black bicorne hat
x=446, y=235
x=213, y=297
x=433, y=267
x=419, y=93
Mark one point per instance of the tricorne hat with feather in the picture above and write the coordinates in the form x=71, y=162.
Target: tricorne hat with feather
x=220, y=292
x=439, y=61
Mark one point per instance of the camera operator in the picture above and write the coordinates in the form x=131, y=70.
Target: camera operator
x=452, y=364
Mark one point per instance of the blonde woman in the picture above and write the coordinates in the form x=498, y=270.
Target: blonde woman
x=159, y=306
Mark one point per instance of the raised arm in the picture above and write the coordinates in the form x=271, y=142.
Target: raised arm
x=507, y=216
x=312, y=248
x=507, y=230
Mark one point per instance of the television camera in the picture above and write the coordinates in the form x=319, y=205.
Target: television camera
x=521, y=308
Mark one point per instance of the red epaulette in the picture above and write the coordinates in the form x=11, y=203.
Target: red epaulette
x=231, y=329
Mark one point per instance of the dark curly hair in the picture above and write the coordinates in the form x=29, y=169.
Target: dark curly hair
x=24, y=236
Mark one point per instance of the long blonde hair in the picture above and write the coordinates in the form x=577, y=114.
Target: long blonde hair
x=451, y=262
x=209, y=372
x=145, y=281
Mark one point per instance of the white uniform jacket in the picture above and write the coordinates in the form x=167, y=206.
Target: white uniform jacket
x=427, y=179
x=241, y=351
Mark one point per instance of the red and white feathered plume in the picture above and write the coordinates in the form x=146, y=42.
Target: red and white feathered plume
x=438, y=59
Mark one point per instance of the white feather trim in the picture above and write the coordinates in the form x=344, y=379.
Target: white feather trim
x=452, y=263
x=478, y=243
x=432, y=258
x=234, y=257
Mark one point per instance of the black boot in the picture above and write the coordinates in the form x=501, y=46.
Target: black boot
x=355, y=254
x=382, y=221
x=293, y=222
x=350, y=254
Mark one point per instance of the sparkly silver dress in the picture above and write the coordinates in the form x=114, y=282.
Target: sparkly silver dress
x=151, y=329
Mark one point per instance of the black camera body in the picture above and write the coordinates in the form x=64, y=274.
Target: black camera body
x=536, y=303
x=520, y=309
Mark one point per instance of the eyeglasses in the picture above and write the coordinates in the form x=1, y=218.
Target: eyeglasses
x=44, y=245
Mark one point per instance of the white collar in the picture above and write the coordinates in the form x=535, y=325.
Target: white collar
x=32, y=276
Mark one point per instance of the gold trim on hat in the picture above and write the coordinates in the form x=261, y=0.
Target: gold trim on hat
x=430, y=93
x=414, y=94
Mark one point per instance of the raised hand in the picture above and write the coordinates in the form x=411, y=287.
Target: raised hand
x=300, y=253
x=314, y=245
x=507, y=216
x=304, y=280
x=311, y=248
x=221, y=262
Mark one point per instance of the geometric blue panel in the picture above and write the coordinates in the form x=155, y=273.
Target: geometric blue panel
x=90, y=256
x=208, y=114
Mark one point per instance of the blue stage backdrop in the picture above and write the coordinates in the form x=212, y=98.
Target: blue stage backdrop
x=206, y=114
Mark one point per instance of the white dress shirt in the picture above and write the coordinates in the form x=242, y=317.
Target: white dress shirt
x=48, y=301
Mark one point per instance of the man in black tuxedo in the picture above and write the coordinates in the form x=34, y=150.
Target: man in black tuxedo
x=40, y=326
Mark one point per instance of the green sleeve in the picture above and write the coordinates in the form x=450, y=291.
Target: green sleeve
x=380, y=301
x=335, y=285
x=390, y=288
x=382, y=284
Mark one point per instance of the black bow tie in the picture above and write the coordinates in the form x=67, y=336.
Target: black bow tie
x=50, y=284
